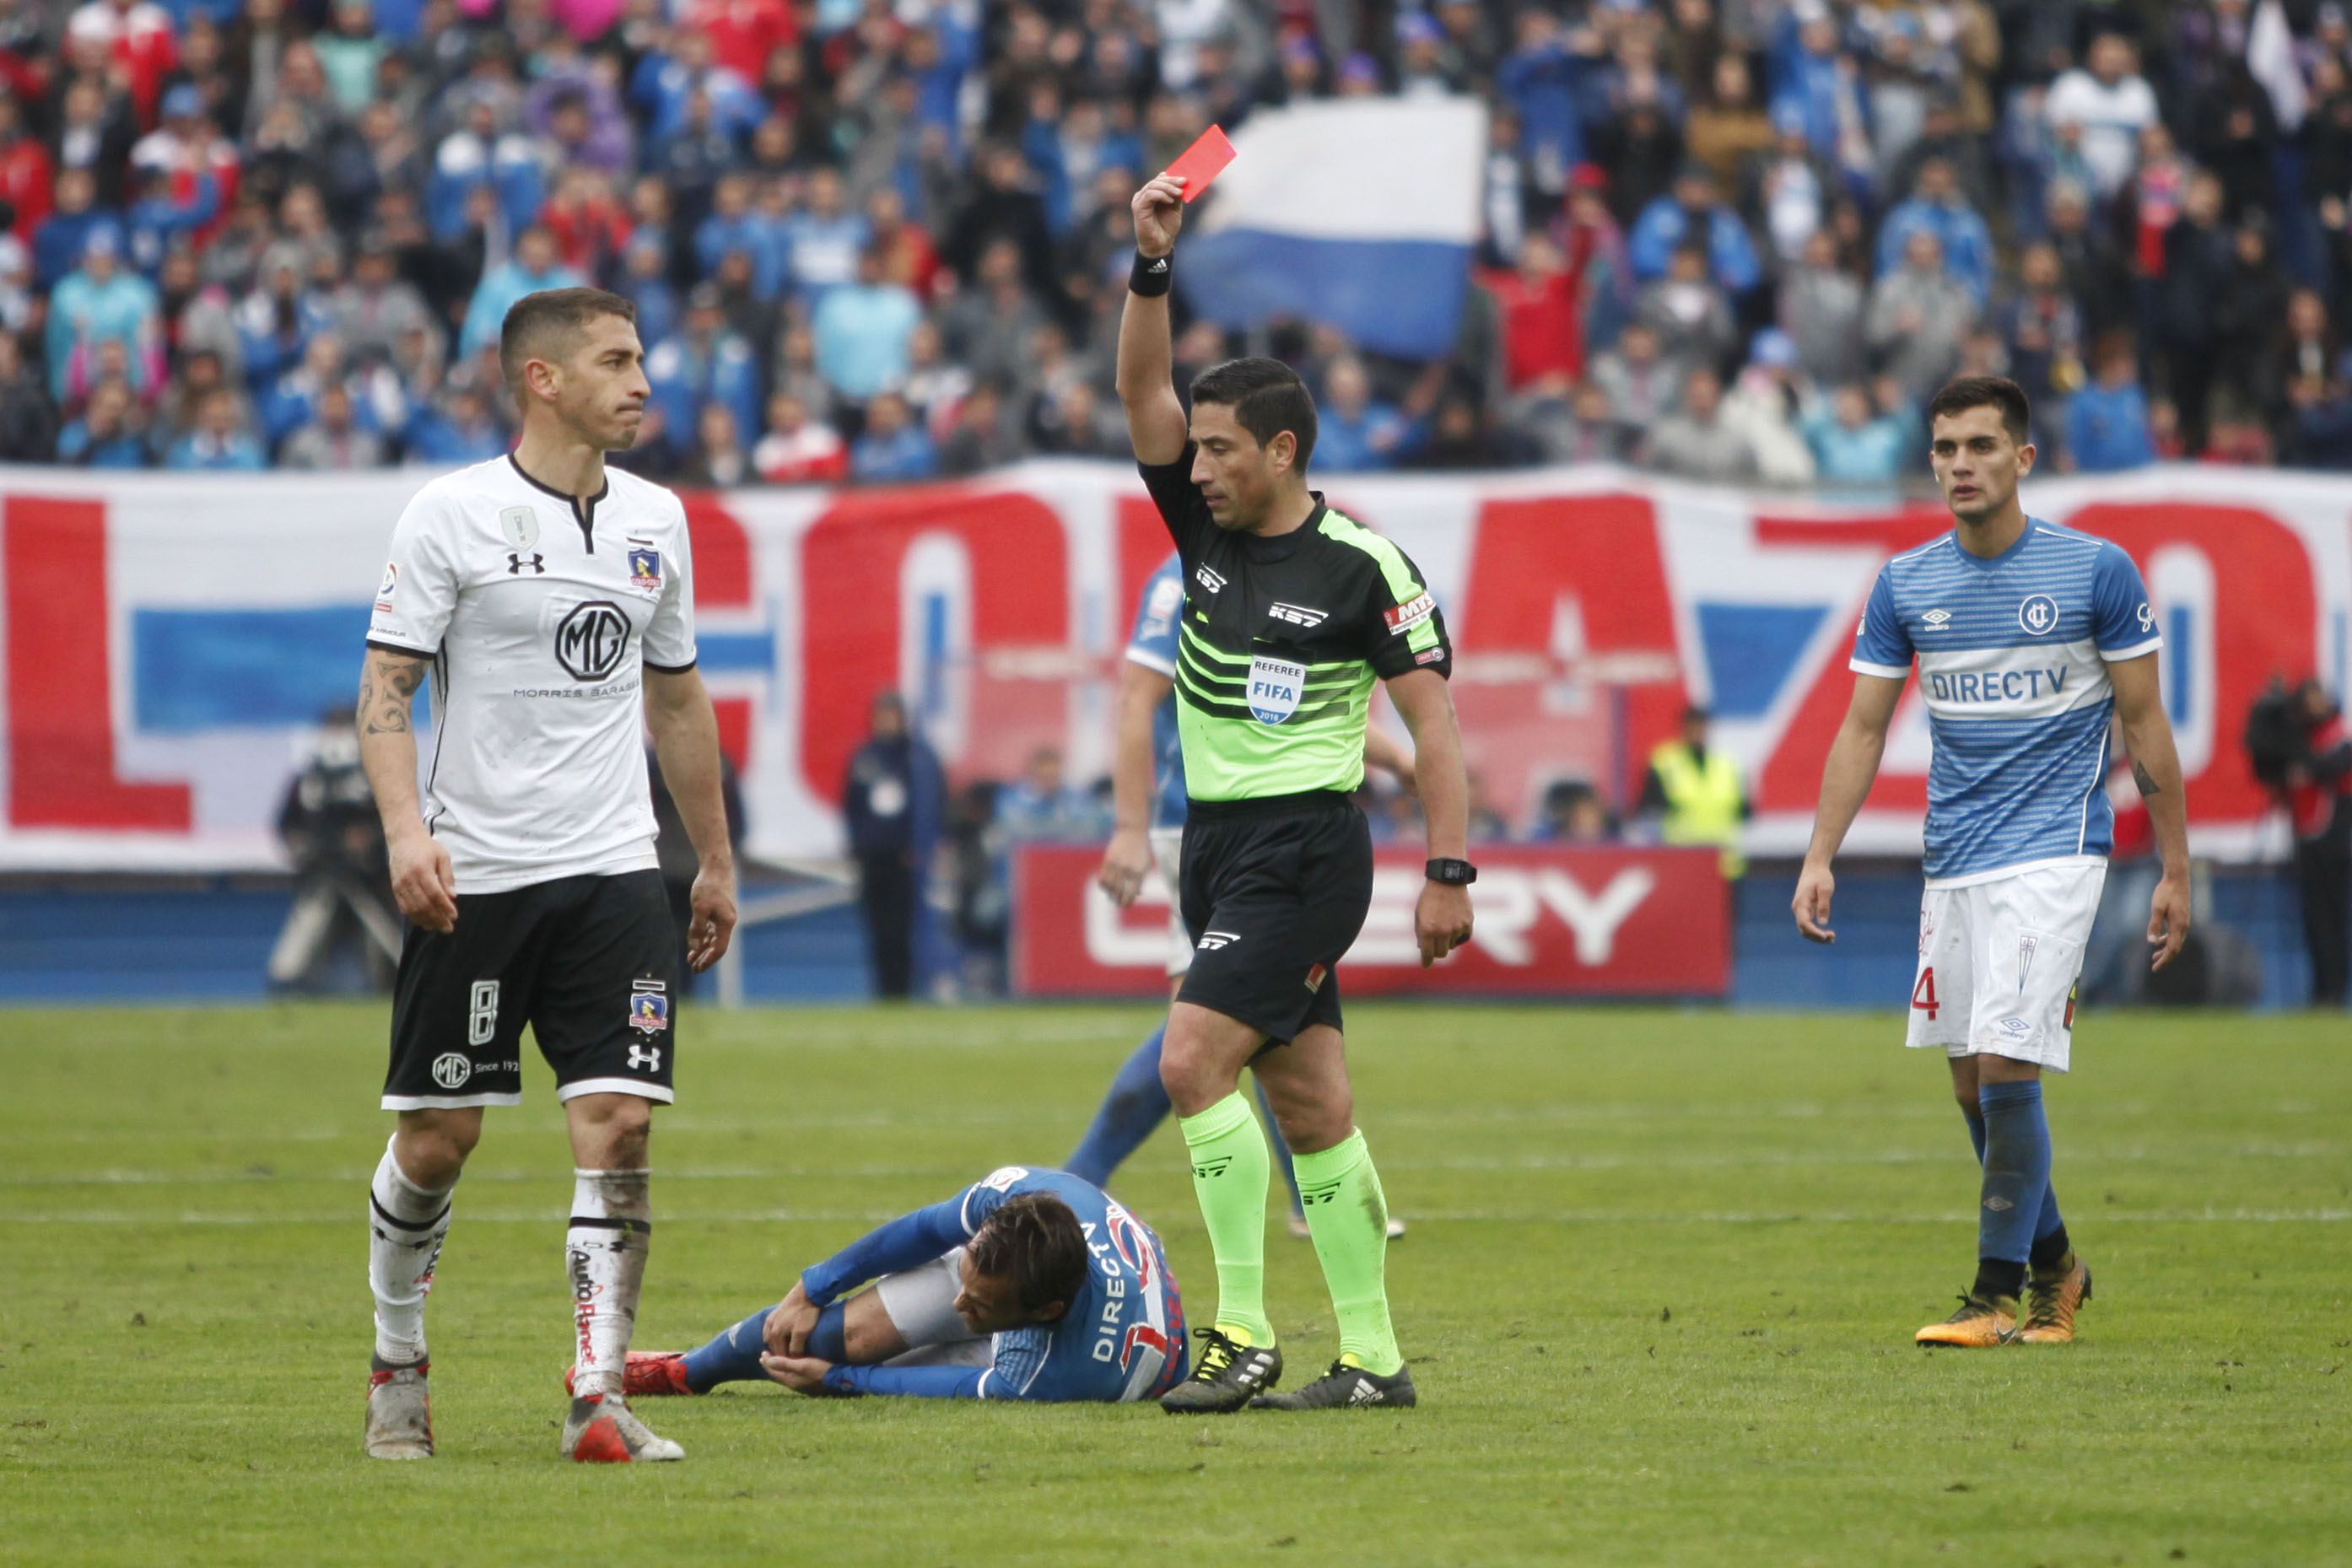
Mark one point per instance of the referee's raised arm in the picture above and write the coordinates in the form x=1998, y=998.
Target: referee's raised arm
x=1146, y=387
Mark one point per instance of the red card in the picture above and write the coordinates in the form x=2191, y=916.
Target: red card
x=1202, y=162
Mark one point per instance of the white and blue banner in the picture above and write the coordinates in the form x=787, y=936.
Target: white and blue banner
x=1359, y=214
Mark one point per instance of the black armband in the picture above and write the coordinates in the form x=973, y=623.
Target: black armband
x=1150, y=275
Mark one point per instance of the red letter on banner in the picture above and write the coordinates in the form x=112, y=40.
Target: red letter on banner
x=60, y=717
x=1532, y=561
x=1017, y=565
x=722, y=581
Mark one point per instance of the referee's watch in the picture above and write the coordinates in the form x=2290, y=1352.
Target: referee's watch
x=1453, y=874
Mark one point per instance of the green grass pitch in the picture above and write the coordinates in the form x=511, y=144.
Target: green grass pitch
x=1659, y=1295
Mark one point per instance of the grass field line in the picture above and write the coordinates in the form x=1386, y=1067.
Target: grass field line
x=1438, y=1217
x=1775, y=1160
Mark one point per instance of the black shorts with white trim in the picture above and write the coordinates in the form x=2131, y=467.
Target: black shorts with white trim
x=588, y=962
x=1274, y=892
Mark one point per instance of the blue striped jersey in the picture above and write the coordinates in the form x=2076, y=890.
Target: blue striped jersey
x=2013, y=654
x=1152, y=644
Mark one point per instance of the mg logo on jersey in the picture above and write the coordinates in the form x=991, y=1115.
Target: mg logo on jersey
x=451, y=1069
x=590, y=641
x=1275, y=686
x=2038, y=614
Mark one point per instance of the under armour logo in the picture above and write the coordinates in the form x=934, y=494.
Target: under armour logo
x=517, y=564
x=645, y=1058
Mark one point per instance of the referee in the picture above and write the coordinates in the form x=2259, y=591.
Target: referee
x=1291, y=611
x=551, y=600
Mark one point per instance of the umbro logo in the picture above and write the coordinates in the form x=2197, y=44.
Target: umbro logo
x=1298, y=614
x=1207, y=578
x=1212, y=940
x=1937, y=618
x=517, y=563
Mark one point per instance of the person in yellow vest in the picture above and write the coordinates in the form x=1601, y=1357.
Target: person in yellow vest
x=1696, y=795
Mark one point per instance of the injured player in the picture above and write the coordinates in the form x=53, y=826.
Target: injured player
x=1029, y=1284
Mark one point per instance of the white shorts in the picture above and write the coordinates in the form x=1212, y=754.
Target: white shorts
x=921, y=1305
x=1998, y=963
x=1168, y=850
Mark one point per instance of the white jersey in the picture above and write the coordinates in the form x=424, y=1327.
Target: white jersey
x=540, y=619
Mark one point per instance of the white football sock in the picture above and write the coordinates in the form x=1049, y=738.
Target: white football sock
x=406, y=1224
x=612, y=1226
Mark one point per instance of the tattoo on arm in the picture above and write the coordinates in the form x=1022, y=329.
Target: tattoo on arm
x=387, y=688
x=2143, y=778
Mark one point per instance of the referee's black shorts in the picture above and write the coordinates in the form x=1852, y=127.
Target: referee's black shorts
x=1274, y=892
x=588, y=962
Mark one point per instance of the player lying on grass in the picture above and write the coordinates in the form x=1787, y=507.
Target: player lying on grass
x=1029, y=1284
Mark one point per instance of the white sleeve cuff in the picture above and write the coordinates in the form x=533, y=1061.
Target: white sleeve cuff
x=1892, y=672
x=1151, y=661
x=2118, y=655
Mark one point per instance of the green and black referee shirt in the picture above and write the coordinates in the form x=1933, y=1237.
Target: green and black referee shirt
x=1281, y=640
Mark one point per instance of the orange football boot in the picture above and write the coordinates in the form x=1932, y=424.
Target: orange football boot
x=1980, y=1323
x=2052, y=1299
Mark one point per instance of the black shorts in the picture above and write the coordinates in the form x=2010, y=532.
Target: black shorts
x=588, y=962
x=1273, y=893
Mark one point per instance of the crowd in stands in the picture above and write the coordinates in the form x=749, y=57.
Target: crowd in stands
x=884, y=240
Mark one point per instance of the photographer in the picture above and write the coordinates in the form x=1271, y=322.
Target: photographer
x=332, y=834
x=2297, y=739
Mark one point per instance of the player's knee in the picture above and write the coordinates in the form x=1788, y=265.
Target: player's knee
x=1313, y=1117
x=614, y=1130
x=431, y=1147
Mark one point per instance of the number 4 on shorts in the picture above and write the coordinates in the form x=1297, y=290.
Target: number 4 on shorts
x=1922, y=995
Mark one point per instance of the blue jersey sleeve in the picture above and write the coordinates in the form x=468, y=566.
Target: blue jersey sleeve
x=1881, y=645
x=908, y=1241
x=918, y=1382
x=1152, y=642
x=2122, y=622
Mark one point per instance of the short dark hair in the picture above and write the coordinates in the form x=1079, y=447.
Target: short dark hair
x=538, y=325
x=1034, y=1241
x=1985, y=391
x=1266, y=397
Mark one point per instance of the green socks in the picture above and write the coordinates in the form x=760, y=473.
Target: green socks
x=1230, y=1170
x=1349, y=1217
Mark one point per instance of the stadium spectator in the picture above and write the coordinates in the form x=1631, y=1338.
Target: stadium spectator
x=334, y=439
x=2107, y=423
x=1694, y=793
x=863, y=330
x=103, y=302
x=796, y=449
x=1688, y=312
x=1855, y=444
x=220, y=441
x=535, y=266
x=1764, y=404
x=703, y=362
x=1936, y=208
x=1820, y=308
x=1356, y=433
x=2112, y=103
x=1694, y=214
x=1543, y=338
x=107, y=435
x=717, y=459
x=892, y=448
x=980, y=435
x=1695, y=441
x=1636, y=380
x=28, y=419
x=1919, y=317
x=1044, y=806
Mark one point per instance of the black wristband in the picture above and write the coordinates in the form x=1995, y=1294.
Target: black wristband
x=1150, y=275
x=1452, y=873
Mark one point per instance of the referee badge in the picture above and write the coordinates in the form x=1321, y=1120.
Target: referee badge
x=1275, y=687
x=645, y=570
